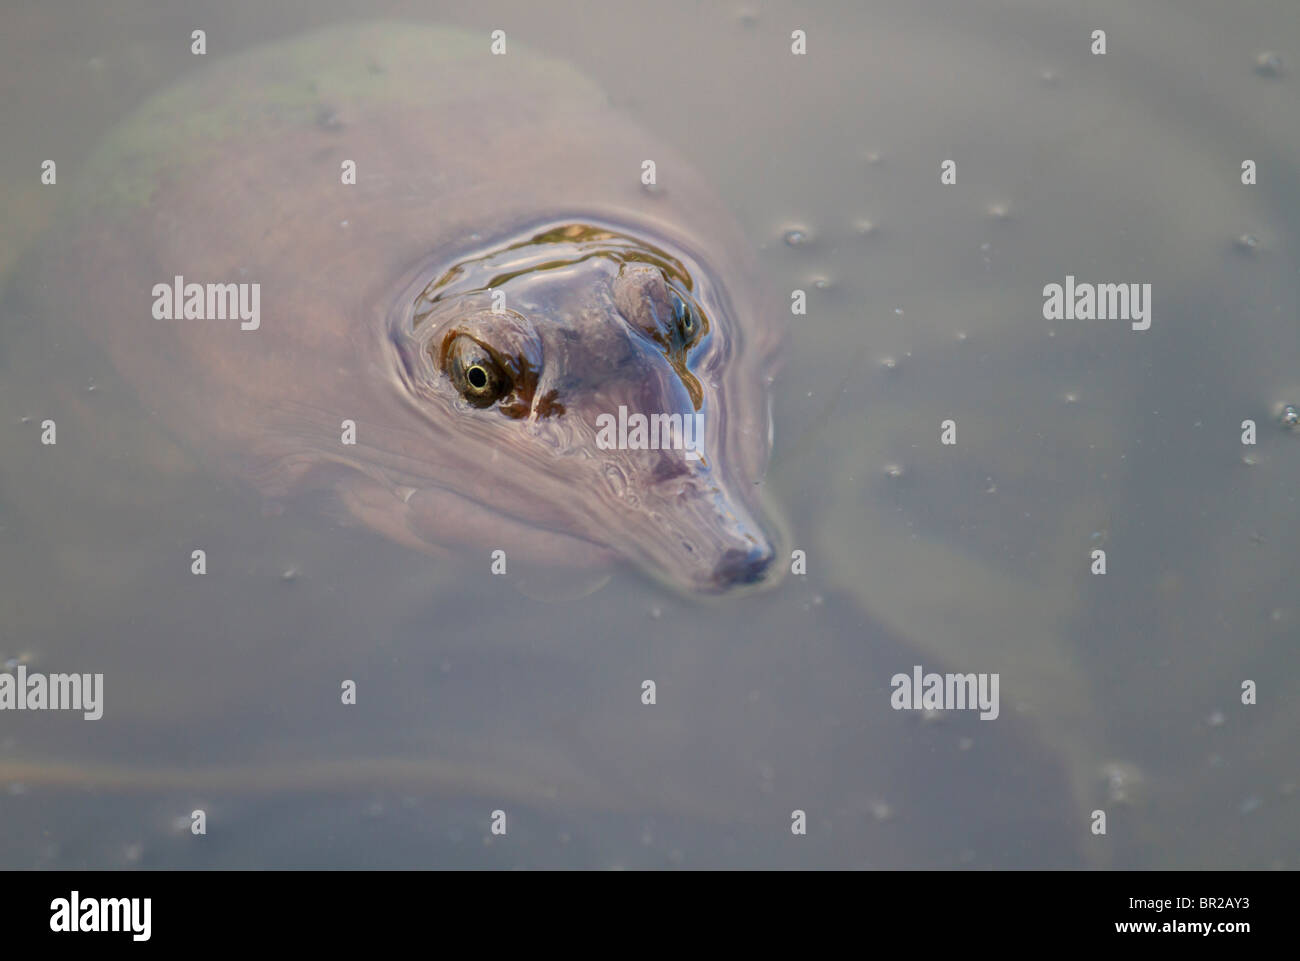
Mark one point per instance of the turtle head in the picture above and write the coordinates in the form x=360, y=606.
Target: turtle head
x=583, y=377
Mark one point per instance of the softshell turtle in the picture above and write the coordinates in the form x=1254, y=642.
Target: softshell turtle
x=455, y=342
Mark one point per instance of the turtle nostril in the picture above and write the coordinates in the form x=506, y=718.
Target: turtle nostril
x=743, y=567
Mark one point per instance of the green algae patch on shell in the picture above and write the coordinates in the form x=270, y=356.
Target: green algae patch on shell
x=319, y=79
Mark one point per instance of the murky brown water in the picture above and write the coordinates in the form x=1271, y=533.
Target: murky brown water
x=1119, y=692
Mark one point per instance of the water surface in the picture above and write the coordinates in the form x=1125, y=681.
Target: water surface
x=1119, y=692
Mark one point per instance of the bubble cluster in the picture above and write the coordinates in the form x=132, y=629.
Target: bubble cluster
x=1268, y=64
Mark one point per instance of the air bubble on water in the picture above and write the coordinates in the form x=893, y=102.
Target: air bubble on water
x=327, y=118
x=999, y=211
x=821, y=283
x=1268, y=64
x=1250, y=460
x=1050, y=77
x=889, y=363
x=881, y=811
x=960, y=335
x=1216, y=719
x=1121, y=777
x=864, y=227
x=1290, y=417
x=1247, y=243
x=992, y=488
x=872, y=157
x=290, y=574
x=893, y=470
x=344, y=223
x=898, y=311
x=796, y=236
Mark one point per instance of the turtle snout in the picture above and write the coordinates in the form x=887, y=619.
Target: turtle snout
x=737, y=567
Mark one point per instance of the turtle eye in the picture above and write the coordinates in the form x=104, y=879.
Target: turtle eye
x=476, y=374
x=646, y=298
x=684, y=315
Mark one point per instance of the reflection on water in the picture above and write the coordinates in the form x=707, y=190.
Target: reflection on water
x=1120, y=692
